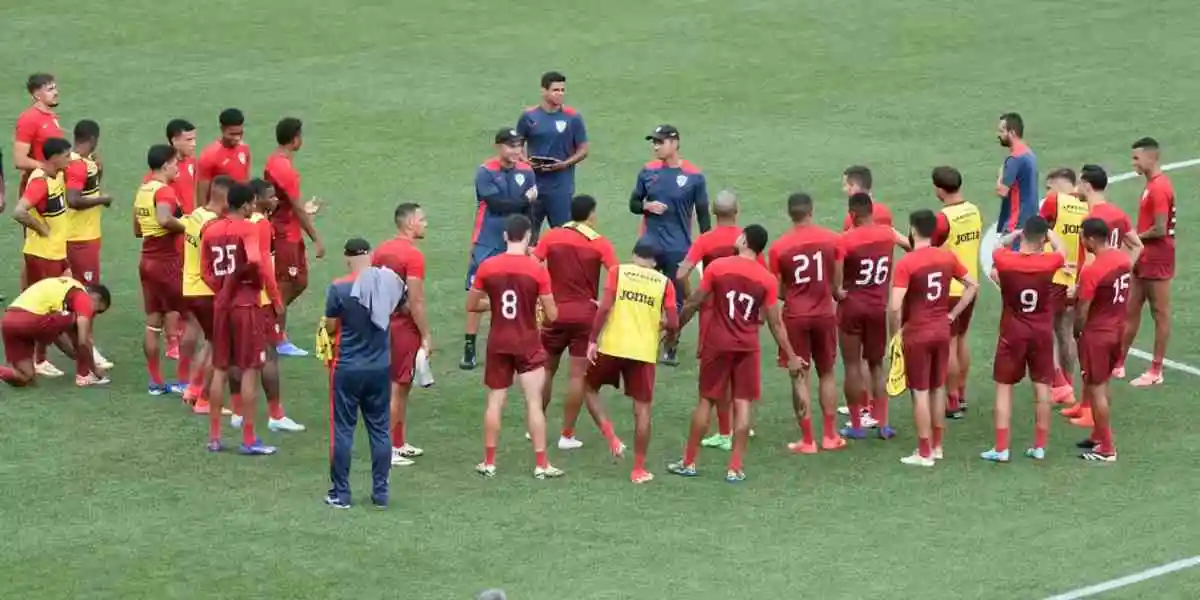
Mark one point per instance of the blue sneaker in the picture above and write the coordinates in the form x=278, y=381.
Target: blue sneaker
x=886, y=432
x=735, y=476
x=1036, y=453
x=287, y=348
x=257, y=449
x=176, y=387
x=336, y=502
x=214, y=446
x=994, y=455
x=681, y=469
x=854, y=433
x=157, y=390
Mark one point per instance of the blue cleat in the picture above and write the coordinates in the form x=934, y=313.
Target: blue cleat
x=214, y=446
x=854, y=433
x=256, y=449
x=176, y=387
x=886, y=432
x=735, y=476
x=287, y=348
x=157, y=390
x=681, y=469
x=1036, y=453
x=995, y=456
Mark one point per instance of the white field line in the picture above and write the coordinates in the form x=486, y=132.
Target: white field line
x=1138, y=577
x=991, y=238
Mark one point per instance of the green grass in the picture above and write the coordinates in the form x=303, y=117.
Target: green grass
x=108, y=493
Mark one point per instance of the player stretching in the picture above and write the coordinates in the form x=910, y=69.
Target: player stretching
x=804, y=259
x=556, y=141
x=1104, y=290
x=1026, y=280
x=574, y=255
x=860, y=283
x=85, y=202
x=1153, y=272
x=623, y=344
x=920, y=298
x=504, y=186
x=512, y=284
x=730, y=362
x=409, y=329
x=198, y=297
x=959, y=230
x=1064, y=211
x=58, y=310
x=235, y=269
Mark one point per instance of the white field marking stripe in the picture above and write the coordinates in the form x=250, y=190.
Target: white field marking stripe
x=1178, y=366
x=1138, y=577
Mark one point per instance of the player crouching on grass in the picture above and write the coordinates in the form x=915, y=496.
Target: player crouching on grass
x=57, y=310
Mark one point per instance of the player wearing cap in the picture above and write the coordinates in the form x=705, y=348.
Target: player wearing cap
x=555, y=141
x=36, y=125
x=54, y=310
x=1064, y=211
x=669, y=193
x=1017, y=183
x=959, y=230
x=857, y=179
x=504, y=186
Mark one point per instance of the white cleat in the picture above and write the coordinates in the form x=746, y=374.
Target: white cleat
x=487, y=470
x=45, y=369
x=844, y=410
x=410, y=451
x=100, y=361
x=528, y=437
x=868, y=421
x=548, y=472
x=285, y=424
x=937, y=453
x=917, y=460
x=569, y=443
x=235, y=421
x=91, y=379
x=399, y=460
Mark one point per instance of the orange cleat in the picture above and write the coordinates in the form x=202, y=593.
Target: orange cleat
x=641, y=476
x=802, y=448
x=173, y=350
x=201, y=407
x=833, y=443
x=1073, y=411
x=1084, y=419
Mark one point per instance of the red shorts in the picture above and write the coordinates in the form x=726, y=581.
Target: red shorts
x=404, y=344
x=500, y=369
x=1099, y=354
x=201, y=307
x=84, y=260
x=869, y=327
x=270, y=326
x=1058, y=298
x=815, y=340
x=567, y=337
x=1155, y=270
x=634, y=376
x=926, y=363
x=291, y=263
x=736, y=375
x=38, y=268
x=963, y=323
x=237, y=338
x=162, y=286
x=23, y=330
x=1017, y=356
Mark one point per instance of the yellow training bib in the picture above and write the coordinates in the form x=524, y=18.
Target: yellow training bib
x=632, y=328
x=47, y=296
x=1067, y=223
x=85, y=224
x=193, y=273
x=54, y=246
x=966, y=233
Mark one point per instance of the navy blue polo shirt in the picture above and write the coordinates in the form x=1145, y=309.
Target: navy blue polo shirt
x=359, y=344
x=684, y=191
x=499, y=192
x=557, y=134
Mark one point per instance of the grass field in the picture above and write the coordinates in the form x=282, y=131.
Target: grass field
x=109, y=494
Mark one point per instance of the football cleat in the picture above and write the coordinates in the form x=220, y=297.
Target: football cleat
x=287, y=348
x=1147, y=379
x=1000, y=456
x=732, y=476
x=285, y=424
x=91, y=379
x=485, y=469
x=46, y=369
x=724, y=442
x=917, y=460
x=804, y=448
x=547, y=472
x=1098, y=456
x=1036, y=453
x=256, y=449
x=853, y=433
x=886, y=432
x=678, y=468
x=399, y=460
x=641, y=476
x=411, y=451
x=569, y=443
x=336, y=502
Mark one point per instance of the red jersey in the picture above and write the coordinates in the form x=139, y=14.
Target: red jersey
x=718, y=242
x=1118, y=225
x=406, y=261
x=184, y=184
x=1105, y=283
x=282, y=175
x=34, y=127
x=232, y=262
x=262, y=231
x=1025, y=286
x=803, y=259
x=513, y=284
x=880, y=215
x=925, y=274
x=217, y=159
x=740, y=288
x=867, y=266
x=1157, y=199
x=573, y=262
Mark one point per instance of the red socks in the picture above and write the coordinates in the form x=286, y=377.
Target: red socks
x=569, y=432
x=236, y=401
x=735, y=460
x=1002, y=440
x=855, y=415
x=725, y=419
x=1039, y=437
x=606, y=428
x=692, y=448
x=489, y=455
x=924, y=448
x=214, y=423
x=1060, y=379
x=540, y=458
x=806, y=430
x=275, y=411
x=829, y=426
x=153, y=369
x=639, y=462
x=937, y=436
x=248, y=437
x=953, y=402
x=398, y=435
x=1156, y=365
x=879, y=410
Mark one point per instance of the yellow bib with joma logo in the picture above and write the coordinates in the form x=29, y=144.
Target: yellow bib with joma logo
x=966, y=233
x=47, y=296
x=54, y=246
x=632, y=328
x=1067, y=223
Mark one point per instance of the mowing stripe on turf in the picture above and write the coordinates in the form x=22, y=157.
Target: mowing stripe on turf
x=1138, y=577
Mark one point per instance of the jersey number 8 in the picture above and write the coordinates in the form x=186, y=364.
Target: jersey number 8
x=508, y=304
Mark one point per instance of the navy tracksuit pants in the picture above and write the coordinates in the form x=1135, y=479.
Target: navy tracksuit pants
x=370, y=392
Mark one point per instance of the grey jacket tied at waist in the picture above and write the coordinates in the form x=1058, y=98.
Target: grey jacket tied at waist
x=380, y=291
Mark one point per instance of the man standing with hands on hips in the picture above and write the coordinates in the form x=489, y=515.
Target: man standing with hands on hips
x=555, y=141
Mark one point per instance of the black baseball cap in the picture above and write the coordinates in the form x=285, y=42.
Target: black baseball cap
x=646, y=248
x=509, y=136
x=664, y=132
x=357, y=247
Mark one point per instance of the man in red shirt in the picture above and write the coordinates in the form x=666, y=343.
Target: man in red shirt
x=510, y=285
x=228, y=155
x=1156, y=267
x=292, y=221
x=181, y=135
x=409, y=331
x=730, y=361
x=574, y=255
x=1104, y=291
x=857, y=179
x=234, y=269
x=1026, y=343
x=53, y=311
x=803, y=259
x=920, y=301
x=36, y=125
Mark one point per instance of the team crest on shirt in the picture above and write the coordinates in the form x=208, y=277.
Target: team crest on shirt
x=87, y=276
x=192, y=170
x=561, y=126
x=519, y=178
x=242, y=157
x=681, y=180
x=293, y=271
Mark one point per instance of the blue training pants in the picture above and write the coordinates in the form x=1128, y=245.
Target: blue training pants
x=370, y=392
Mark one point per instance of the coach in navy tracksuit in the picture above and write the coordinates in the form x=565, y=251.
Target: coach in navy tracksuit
x=556, y=141
x=357, y=310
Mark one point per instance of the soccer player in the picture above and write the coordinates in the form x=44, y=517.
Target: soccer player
x=504, y=186
x=1017, y=183
x=959, y=230
x=156, y=222
x=919, y=297
x=511, y=285
x=669, y=192
x=623, y=340
x=860, y=283
x=410, y=331
x=730, y=365
x=857, y=179
x=555, y=141
x=198, y=297
x=181, y=135
x=1156, y=266
x=292, y=222
x=574, y=255
x=1026, y=342
x=234, y=269
x=804, y=259
x=1064, y=211
x=54, y=310
x=1100, y=313
x=85, y=201
x=227, y=155
x=36, y=125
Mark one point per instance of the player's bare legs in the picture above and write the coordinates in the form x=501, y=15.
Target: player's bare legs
x=532, y=383
x=552, y=362
x=699, y=425
x=216, y=399
x=723, y=438
x=152, y=351
x=1002, y=423
x=1158, y=295
x=1043, y=395
x=877, y=389
x=956, y=376
x=854, y=385
x=251, y=445
x=191, y=359
x=742, y=410
x=277, y=419
x=289, y=291
x=802, y=408
x=175, y=330
x=20, y=374
x=491, y=430
x=937, y=420
x=1133, y=322
x=1066, y=359
x=923, y=424
x=641, y=442
x=1105, y=450
x=577, y=397
x=471, y=329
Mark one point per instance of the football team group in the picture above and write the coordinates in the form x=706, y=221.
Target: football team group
x=224, y=255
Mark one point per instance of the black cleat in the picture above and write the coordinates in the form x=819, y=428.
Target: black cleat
x=467, y=363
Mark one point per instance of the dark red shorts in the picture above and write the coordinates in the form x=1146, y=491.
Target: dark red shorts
x=926, y=363
x=84, y=260
x=814, y=340
x=736, y=375
x=567, y=337
x=1155, y=270
x=291, y=262
x=1015, y=357
x=22, y=331
x=201, y=307
x=869, y=327
x=500, y=369
x=1099, y=354
x=404, y=345
x=1058, y=298
x=270, y=326
x=962, y=324
x=635, y=377
x=237, y=338
x=162, y=286
x=38, y=268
